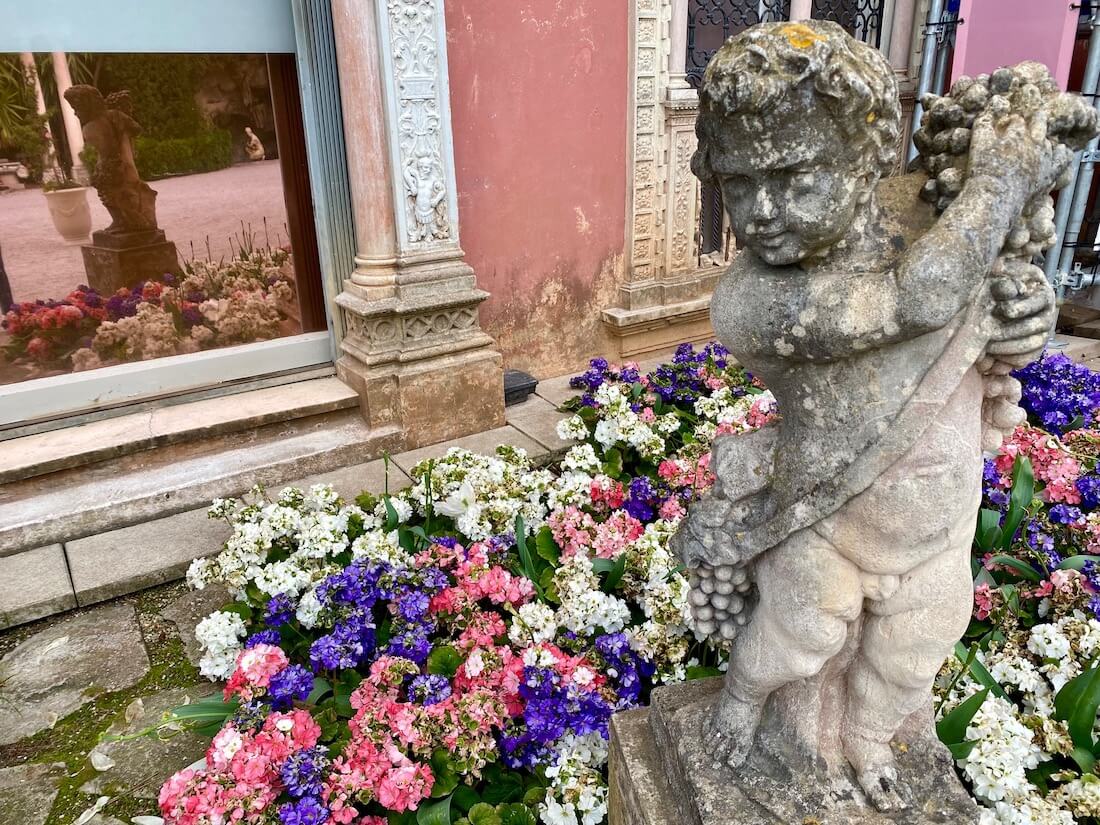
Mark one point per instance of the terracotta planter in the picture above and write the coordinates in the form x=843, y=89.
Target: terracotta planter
x=72, y=217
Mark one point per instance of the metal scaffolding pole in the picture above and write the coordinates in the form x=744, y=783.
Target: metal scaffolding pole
x=932, y=29
x=1073, y=200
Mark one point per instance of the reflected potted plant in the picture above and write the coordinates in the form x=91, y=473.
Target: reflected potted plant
x=68, y=204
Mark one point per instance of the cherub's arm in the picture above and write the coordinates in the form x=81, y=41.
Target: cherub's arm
x=939, y=273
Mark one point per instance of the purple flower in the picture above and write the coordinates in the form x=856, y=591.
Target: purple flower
x=1058, y=393
x=280, y=610
x=303, y=773
x=264, y=637
x=410, y=641
x=429, y=689
x=1065, y=514
x=251, y=715
x=306, y=811
x=291, y=684
x=1089, y=488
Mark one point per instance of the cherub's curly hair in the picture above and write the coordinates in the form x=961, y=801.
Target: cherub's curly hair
x=754, y=71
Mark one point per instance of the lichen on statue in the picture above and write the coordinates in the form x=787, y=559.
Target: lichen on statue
x=880, y=326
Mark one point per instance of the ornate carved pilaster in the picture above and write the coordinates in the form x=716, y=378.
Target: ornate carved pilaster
x=664, y=299
x=414, y=343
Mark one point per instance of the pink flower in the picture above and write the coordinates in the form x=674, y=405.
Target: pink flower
x=255, y=667
x=615, y=534
x=983, y=601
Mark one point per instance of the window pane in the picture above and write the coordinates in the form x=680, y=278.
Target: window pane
x=192, y=230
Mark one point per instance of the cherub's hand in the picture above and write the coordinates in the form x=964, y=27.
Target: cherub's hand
x=1024, y=312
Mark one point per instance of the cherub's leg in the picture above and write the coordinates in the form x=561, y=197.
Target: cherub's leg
x=808, y=595
x=905, y=641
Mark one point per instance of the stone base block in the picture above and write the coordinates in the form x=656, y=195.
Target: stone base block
x=120, y=260
x=660, y=775
x=640, y=332
x=434, y=400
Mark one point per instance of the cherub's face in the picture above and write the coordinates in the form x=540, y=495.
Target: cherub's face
x=790, y=184
x=424, y=166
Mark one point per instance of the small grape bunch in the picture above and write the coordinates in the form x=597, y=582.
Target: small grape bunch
x=721, y=599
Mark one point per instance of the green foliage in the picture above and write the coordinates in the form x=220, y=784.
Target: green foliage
x=992, y=535
x=204, y=152
x=162, y=90
x=952, y=727
x=1076, y=704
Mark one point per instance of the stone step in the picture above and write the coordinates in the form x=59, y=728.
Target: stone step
x=152, y=484
x=59, y=449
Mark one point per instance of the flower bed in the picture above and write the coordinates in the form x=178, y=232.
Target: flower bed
x=213, y=304
x=453, y=652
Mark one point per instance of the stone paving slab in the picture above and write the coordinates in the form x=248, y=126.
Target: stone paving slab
x=191, y=608
x=34, y=584
x=60, y=669
x=351, y=481
x=122, y=561
x=484, y=442
x=27, y=792
x=538, y=418
x=142, y=764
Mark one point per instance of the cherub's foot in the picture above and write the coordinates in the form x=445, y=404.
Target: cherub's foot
x=877, y=773
x=731, y=729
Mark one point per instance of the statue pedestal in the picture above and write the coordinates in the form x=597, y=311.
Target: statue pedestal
x=117, y=260
x=661, y=776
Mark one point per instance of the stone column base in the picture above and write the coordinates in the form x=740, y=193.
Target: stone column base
x=121, y=260
x=417, y=356
x=639, y=332
x=660, y=775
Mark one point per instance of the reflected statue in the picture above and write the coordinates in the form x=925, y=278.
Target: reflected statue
x=253, y=146
x=109, y=128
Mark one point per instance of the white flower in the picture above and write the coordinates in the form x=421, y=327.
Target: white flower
x=219, y=636
x=572, y=429
x=459, y=502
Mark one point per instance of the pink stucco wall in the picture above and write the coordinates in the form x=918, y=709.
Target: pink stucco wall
x=539, y=111
x=999, y=33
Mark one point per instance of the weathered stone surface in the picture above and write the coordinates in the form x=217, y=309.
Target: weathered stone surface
x=661, y=774
x=190, y=609
x=27, y=792
x=110, y=269
x=122, y=561
x=34, y=584
x=537, y=418
x=484, y=442
x=62, y=668
x=142, y=764
x=826, y=552
x=351, y=481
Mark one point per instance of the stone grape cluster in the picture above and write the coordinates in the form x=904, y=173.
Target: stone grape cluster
x=720, y=599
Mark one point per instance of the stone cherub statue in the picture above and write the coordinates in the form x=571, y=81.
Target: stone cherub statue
x=883, y=330
x=109, y=127
x=426, y=193
x=253, y=146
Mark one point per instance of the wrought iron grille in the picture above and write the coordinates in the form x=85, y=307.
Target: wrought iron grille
x=860, y=18
x=712, y=22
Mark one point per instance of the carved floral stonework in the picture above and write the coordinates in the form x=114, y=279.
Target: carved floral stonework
x=415, y=54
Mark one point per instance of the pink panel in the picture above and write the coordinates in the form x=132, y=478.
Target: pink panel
x=999, y=33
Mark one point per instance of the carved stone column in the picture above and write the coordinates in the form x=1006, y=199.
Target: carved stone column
x=73, y=134
x=665, y=296
x=414, y=348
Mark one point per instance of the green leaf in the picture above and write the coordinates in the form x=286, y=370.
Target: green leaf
x=1023, y=491
x=527, y=563
x=1077, y=562
x=546, y=547
x=952, y=727
x=979, y=671
x=392, y=519
x=444, y=660
x=1085, y=759
x=508, y=787
x=989, y=530
x=465, y=798
x=342, y=696
x=613, y=463
x=701, y=672
x=242, y=609
x=445, y=773
x=1023, y=568
x=961, y=750
x=206, y=711
x=534, y=796
x=612, y=571
x=483, y=814
x=321, y=688
x=1076, y=705
x=434, y=813
x=403, y=818
x=516, y=814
